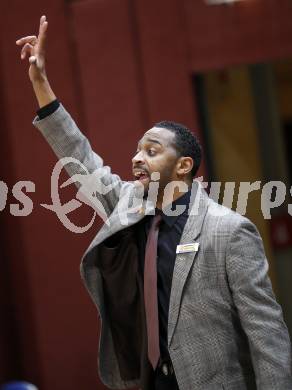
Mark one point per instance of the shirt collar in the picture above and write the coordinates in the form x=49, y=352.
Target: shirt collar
x=183, y=200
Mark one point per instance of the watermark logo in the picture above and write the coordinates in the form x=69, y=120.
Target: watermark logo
x=91, y=188
x=99, y=189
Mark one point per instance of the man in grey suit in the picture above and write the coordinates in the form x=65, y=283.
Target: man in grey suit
x=220, y=326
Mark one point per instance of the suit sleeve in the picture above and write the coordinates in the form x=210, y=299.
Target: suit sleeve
x=66, y=140
x=260, y=314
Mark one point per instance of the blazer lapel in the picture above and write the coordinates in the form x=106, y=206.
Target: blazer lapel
x=184, y=261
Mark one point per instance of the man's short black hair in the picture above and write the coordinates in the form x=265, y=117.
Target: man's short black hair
x=186, y=143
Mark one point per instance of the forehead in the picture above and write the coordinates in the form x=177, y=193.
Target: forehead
x=161, y=135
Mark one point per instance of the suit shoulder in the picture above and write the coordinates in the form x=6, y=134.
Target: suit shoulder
x=225, y=218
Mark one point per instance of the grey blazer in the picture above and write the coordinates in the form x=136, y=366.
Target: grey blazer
x=225, y=328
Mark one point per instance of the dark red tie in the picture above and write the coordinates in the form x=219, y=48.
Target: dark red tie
x=150, y=292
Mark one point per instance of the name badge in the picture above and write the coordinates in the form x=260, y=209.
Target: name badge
x=185, y=248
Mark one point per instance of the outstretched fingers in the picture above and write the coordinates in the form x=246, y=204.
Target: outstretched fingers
x=32, y=39
x=33, y=48
x=42, y=33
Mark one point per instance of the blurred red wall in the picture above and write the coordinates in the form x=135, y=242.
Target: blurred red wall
x=118, y=66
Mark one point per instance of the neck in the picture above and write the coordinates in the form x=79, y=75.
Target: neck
x=165, y=198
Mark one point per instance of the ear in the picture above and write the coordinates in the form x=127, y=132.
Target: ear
x=184, y=166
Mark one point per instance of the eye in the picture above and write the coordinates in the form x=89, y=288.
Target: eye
x=151, y=152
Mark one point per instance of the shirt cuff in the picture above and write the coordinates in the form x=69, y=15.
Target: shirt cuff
x=48, y=109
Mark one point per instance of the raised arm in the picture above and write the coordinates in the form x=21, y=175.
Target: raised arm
x=62, y=133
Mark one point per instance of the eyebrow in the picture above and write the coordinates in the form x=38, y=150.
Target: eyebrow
x=155, y=141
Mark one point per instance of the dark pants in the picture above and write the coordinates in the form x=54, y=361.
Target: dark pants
x=165, y=379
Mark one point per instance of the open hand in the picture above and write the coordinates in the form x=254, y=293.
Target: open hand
x=34, y=47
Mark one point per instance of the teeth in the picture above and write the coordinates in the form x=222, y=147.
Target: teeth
x=140, y=173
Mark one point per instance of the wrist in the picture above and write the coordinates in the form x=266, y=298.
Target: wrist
x=40, y=81
x=43, y=92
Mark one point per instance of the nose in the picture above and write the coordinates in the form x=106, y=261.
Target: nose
x=138, y=158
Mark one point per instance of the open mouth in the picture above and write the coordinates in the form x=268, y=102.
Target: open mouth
x=142, y=176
